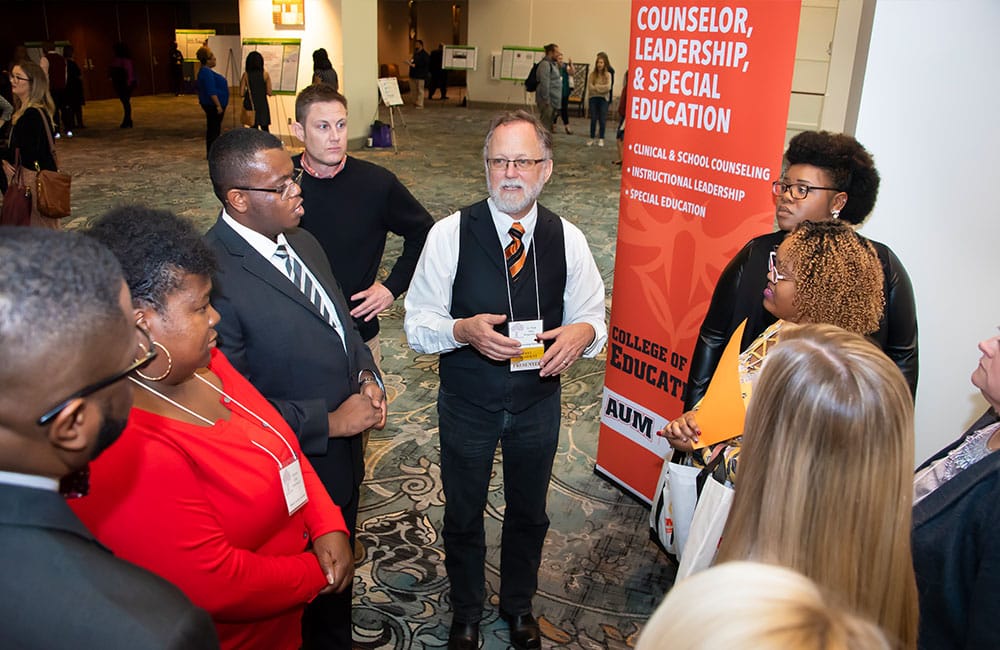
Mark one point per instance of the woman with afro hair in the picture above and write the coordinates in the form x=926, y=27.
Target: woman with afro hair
x=826, y=176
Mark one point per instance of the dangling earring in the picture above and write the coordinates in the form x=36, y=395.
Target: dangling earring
x=170, y=363
x=835, y=214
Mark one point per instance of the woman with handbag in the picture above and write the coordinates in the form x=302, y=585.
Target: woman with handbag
x=826, y=476
x=821, y=273
x=255, y=88
x=31, y=147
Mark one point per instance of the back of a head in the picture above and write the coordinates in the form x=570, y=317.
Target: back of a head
x=156, y=249
x=838, y=277
x=233, y=153
x=254, y=62
x=825, y=484
x=751, y=605
x=57, y=291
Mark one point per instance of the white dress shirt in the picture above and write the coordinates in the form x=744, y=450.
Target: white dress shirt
x=30, y=481
x=429, y=326
x=268, y=248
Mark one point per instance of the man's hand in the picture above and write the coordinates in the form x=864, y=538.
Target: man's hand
x=336, y=558
x=682, y=432
x=374, y=300
x=478, y=332
x=357, y=413
x=372, y=391
x=569, y=342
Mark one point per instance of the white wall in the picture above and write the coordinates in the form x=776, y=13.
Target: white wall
x=580, y=29
x=347, y=29
x=929, y=114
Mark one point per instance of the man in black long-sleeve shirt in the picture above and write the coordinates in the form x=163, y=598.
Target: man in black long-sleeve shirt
x=350, y=207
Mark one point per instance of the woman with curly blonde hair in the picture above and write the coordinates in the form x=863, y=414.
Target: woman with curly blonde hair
x=826, y=475
x=822, y=272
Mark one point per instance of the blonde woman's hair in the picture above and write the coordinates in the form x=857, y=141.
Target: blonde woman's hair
x=759, y=606
x=826, y=474
x=38, y=91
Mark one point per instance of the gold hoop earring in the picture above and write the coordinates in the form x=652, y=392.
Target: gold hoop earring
x=170, y=364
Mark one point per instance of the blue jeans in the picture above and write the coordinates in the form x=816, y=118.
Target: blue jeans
x=598, y=115
x=469, y=437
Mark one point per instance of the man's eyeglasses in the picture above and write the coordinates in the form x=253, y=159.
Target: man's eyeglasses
x=772, y=269
x=148, y=354
x=520, y=164
x=799, y=190
x=285, y=190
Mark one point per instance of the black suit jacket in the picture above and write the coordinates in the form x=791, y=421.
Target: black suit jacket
x=956, y=555
x=276, y=338
x=59, y=588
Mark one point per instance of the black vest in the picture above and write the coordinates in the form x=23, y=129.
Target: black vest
x=479, y=289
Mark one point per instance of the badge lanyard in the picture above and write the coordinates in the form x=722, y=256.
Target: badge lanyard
x=290, y=474
x=526, y=331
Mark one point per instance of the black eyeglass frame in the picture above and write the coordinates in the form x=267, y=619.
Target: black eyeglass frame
x=784, y=187
x=293, y=180
x=90, y=389
x=520, y=164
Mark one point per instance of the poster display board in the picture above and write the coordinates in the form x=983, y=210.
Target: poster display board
x=189, y=40
x=708, y=93
x=388, y=87
x=516, y=61
x=281, y=60
x=460, y=57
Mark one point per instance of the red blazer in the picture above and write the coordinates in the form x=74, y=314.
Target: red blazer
x=203, y=508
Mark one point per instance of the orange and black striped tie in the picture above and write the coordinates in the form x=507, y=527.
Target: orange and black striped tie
x=515, y=251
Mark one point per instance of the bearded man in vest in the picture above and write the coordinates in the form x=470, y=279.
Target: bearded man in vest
x=509, y=295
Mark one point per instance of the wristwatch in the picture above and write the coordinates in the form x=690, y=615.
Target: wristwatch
x=368, y=377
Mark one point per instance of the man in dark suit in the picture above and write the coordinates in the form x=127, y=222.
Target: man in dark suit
x=63, y=400
x=286, y=326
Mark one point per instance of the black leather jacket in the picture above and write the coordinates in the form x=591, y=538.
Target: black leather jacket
x=739, y=295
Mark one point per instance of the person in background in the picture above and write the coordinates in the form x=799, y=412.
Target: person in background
x=213, y=96
x=122, y=72
x=31, y=129
x=825, y=482
x=176, y=69
x=753, y=605
x=599, y=93
x=323, y=71
x=64, y=400
x=419, y=70
x=256, y=83
x=956, y=527
x=566, y=71
x=208, y=486
x=438, y=75
x=74, y=99
x=826, y=176
x=54, y=65
x=548, y=94
x=622, y=111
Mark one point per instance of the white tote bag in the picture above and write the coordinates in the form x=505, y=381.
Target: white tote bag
x=673, y=508
x=706, y=527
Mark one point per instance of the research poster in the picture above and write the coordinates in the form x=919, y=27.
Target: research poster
x=281, y=60
x=708, y=92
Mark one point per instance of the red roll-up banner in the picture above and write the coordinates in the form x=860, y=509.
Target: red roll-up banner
x=707, y=104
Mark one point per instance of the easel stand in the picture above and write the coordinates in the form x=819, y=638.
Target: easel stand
x=232, y=67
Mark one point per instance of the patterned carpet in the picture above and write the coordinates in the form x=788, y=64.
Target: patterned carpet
x=600, y=577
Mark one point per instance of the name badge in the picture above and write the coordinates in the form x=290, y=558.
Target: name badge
x=293, y=485
x=524, y=332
